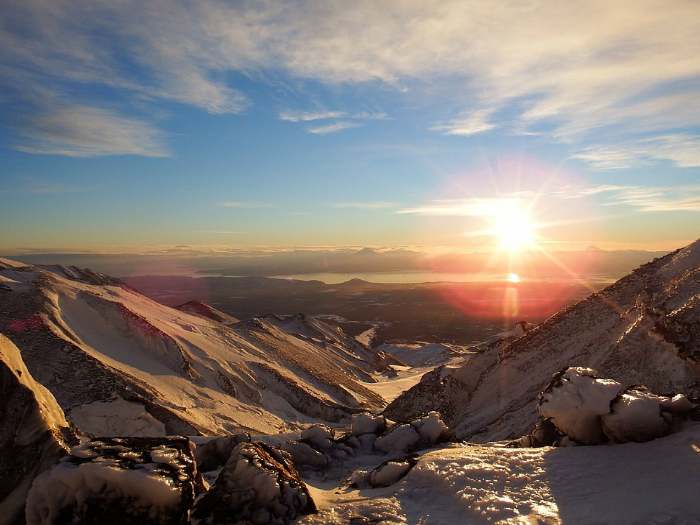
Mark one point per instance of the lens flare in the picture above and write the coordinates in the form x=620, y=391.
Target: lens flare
x=514, y=230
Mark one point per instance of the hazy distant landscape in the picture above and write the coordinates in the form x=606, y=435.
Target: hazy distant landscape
x=457, y=312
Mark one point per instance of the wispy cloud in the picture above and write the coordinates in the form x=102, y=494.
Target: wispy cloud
x=470, y=207
x=370, y=116
x=41, y=188
x=332, y=128
x=350, y=120
x=625, y=67
x=683, y=149
x=302, y=116
x=647, y=198
x=595, y=190
x=469, y=124
x=82, y=131
x=364, y=205
x=245, y=204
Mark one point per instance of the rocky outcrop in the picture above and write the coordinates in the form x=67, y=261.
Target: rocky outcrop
x=581, y=408
x=118, y=481
x=258, y=485
x=34, y=433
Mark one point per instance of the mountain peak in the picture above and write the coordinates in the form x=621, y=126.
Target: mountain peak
x=366, y=251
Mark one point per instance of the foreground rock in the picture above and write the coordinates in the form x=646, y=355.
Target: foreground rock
x=386, y=474
x=258, y=485
x=119, y=481
x=34, y=433
x=581, y=408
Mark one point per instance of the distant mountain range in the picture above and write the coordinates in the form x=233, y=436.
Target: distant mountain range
x=591, y=261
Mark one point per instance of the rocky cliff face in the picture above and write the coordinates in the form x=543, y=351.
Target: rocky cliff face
x=641, y=330
x=34, y=433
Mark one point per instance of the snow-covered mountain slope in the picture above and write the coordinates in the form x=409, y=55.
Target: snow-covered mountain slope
x=203, y=309
x=90, y=339
x=644, y=329
x=425, y=354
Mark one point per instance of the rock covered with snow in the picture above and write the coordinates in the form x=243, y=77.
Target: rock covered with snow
x=575, y=400
x=320, y=436
x=401, y=438
x=421, y=433
x=214, y=453
x=386, y=474
x=367, y=423
x=579, y=407
x=118, y=481
x=305, y=455
x=258, y=485
x=638, y=415
x=34, y=433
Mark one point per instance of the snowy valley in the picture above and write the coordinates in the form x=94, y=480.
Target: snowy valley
x=290, y=420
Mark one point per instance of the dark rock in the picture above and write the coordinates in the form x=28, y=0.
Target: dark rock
x=34, y=433
x=118, y=481
x=258, y=485
x=215, y=453
x=545, y=434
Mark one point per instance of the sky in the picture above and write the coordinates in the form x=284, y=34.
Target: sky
x=443, y=125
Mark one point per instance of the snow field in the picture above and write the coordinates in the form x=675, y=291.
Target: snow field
x=630, y=484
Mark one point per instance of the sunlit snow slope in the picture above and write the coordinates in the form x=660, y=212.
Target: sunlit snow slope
x=92, y=340
x=644, y=329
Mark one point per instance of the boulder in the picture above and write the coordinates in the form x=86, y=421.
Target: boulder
x=258, y=485
x=575, y=400
x=118, y=481
x=386, y=474
x=215, y=453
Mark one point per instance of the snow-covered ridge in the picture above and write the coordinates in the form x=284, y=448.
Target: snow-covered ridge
x=643, y=329
x=106, y=342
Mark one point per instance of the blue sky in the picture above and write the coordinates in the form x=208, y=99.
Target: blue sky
x=127, y=125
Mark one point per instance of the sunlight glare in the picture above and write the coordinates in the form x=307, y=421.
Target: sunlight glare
x=513, y=278
x=514, y=230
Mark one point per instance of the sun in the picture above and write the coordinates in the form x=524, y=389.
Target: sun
x=514, y=230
